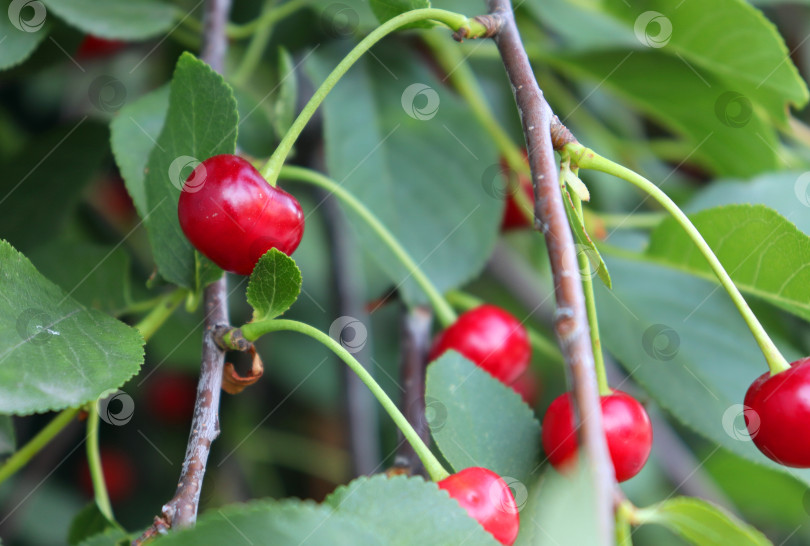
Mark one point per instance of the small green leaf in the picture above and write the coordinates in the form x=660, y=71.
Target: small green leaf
x=22, y=28
x=88, y=523
x=274, y=285
x=133, y=134
x=8, y=438
x=390, y=507
x=764, y=253
x=116, y=19
x=478, y=421
x=702, y=523
x=201, y=122
x=55, y=353
x=585, y=244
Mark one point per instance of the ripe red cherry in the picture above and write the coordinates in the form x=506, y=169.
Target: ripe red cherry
x=119, y=474
x=490, y=337
x=781, y=413
x=487, y=499
x=232, y=215
x=171, y=397
x=627, y=429
x=513, y=216
x=528, y=387
x=93, y=46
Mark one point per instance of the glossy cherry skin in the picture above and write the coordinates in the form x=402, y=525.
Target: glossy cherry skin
x=487, y=499
x=513, y=217
x=490, y=337
x=627, y=429
x=780, y=420
x=233, y=216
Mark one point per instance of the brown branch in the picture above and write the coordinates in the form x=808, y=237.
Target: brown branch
x=570, y=319
x=181, y=510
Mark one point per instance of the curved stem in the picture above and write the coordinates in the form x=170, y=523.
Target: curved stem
x=254, y=330
x=453, y=20
x=586, y=158
x=21, y=457
x=163, y=310
x=94, y=462
x=636, y=220
x=443, y=310
x=267, y=18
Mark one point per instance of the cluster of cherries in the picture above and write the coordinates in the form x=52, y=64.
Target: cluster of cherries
x=233, y=216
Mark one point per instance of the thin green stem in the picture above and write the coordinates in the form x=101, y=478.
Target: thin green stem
x=21, y=457
x=94, y=462
x=254, y=330
x=444, y=312
x=256, y=47
x=636, y=220
x=455, y=21
x=267, y=18
x=589, y=159
x=624, y=517
x=162, y=310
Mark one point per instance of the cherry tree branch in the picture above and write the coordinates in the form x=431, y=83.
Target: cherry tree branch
x=181, y=510
x=543, y=132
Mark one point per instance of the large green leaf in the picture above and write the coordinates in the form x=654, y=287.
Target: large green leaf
x=274, y=285
x=55, y=353
x=22, y=28
x=388, y=508
x=681, y=338
x=133, y=134
x=702, y=523
x=764, y=253
x=419, y=167
x=121, y=19
x=478, y=421
x=201, y=122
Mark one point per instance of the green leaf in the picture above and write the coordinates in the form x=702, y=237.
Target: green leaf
x=764, y=253
x=88, y=523
x=274, y=285
x=116, y=19
x=728, y=135
x=585, y=243
x=388, y=9
x=478, y=421
x=201, y=122
x=390, y=507
x=284, y=523
x=55, y=353
x=682, y=340
x=41, y=186
x=702, y=523
x=94, y=275
x=21, y=31
x=133, y=134
x=426, y=169
x=8, y=438
x=110, y=537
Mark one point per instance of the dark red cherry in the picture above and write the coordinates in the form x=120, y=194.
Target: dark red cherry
x=513, y=216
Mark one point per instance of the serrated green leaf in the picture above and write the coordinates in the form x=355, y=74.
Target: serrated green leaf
x=88, y=523
x=116, y=19
x=18, y=41
x=702, y=523
x=388, y=508
x=425, y=169
x=595, y=261
x=201, y=122
x=133, y=133
x=8, y=438
x=388, y=9
x=274, y=285
x=282, y=523
x=478, y=421
x=765, y=255
x=55, y=353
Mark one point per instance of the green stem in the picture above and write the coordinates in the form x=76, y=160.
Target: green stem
x=266, y=19
x=624, y=517
x=21, y=457
x=162, y=310
x=256, y=47
x=455, y=21
x=94, y=462
x=254, y=330
x=636, y=220
x=586, y=158
x=444, y=312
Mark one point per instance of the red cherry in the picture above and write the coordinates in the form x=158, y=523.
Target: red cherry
x=171, y=397
x=528, y=387
x=119, y=474
x=627, y=429
x=490, y=337
x=487, y=499
x=93, y=46
x=513, y=216
x=232, y=215
x=777, y=413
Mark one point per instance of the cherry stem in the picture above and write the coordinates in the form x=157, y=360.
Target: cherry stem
x=94, y=462
x=162, y=310
x=443, y=310
x=586, y=158
x=254, y=330
x=454, y=21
